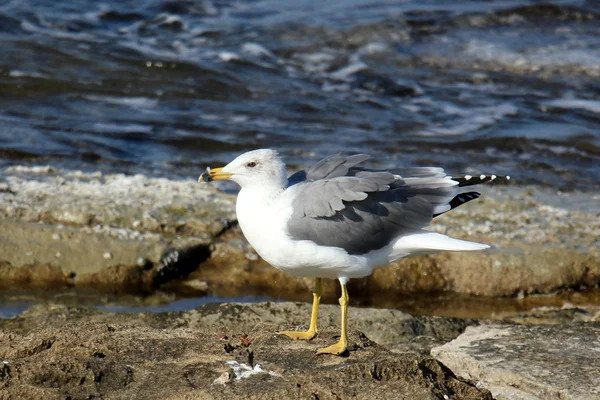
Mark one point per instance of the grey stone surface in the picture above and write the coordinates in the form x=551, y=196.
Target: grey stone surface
x=520, y=362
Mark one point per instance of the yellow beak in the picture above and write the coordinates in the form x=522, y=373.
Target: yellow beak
x=215, y=174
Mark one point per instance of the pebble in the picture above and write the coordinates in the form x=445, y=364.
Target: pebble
x=223, y=379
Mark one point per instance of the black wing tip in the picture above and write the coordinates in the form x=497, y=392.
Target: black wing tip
x=459, y=200
x=469, y=180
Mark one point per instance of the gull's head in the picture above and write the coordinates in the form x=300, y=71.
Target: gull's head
x=261, y=167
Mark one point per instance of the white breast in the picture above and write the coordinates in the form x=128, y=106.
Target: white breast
x=263, y=219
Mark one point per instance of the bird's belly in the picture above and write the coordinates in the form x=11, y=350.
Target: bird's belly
x=270, y=240
x=301, y=258
x=265, y=228
x=264, y=232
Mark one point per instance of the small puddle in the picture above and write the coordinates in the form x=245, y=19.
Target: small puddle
x=481, y=307
x=181, y=304
x=445, y=304
x=10, y=309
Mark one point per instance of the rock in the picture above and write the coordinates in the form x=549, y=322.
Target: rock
x=215, y=352
x=398, y=331
x=94, y=229
x=520, y=362
x=88, y=226
x=529, y=257
x=566, y=314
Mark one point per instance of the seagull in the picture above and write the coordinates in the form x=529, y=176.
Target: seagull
x=339, y=220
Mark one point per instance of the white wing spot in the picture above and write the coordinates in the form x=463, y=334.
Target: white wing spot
x=493, y=177
x=507, y=177
x=467, y=177
x=481, y=176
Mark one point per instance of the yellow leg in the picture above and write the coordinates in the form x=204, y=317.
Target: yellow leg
x=312, y=330
x=340, y=347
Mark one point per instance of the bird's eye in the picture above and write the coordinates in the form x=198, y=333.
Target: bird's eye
x=252, y=164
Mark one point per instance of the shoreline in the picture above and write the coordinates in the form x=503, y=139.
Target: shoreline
x=153, y=239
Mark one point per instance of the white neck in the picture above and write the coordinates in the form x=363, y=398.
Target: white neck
x=252, y=200
x=256, y=209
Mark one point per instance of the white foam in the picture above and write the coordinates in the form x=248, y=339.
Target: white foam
x=36, y=169
x=133, y=102
x=255, y=49
x=328, y=87
x=374, y=48
x=228, y=56
x=568, y=54
x=472, y=119
x=22, y=74
x=568, y=104
x=316, y=62
x=410, y=107
x=149, y=49
x=121, y=127
x=345, y=72
x=238, y=119
x=170, y=19
x=58, y=33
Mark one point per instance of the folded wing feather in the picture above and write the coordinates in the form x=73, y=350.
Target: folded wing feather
x=339, y=204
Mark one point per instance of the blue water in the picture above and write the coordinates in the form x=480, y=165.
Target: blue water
x=183, y=304
x=167, y=87
x=13, y=308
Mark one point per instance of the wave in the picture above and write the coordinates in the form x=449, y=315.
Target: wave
x=177, y=82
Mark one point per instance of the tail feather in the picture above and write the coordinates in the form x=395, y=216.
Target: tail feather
x=426, y=240
x=465, y=197
x=468, y=180
x=458, y=200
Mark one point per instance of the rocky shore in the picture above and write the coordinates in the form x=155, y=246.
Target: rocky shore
x=231, y=351
x=136, y=233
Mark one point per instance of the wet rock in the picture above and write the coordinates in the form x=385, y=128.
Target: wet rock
x=218, y=352
x=34, y=276
x=90, y=226
x=528, y=362
x=566, y=314
x=178, y=264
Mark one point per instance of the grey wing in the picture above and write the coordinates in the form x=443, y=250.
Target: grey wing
x=364, y=210
x=329, y=167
